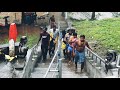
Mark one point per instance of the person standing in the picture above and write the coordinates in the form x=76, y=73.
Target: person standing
x=80, y=51
x=66, y=41
x=53, y=39
x=52, y=21
x=45, y=37
x=71, y=47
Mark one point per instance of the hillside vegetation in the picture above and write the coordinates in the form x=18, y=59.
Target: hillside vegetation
x=106, y=32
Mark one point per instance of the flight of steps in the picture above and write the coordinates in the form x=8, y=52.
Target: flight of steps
x=67, y=72
x=63, y=25
x=100, y=69
x=41, y=69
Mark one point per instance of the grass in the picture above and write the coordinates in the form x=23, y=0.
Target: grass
x=32, y=40
x=106, y=31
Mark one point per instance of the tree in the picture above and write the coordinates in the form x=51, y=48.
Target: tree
x=93, y=16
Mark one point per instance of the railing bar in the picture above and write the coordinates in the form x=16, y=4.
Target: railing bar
x=96, y=59
x=92, y=56
x=101, y=59
x=52, y=59
x=50, y=64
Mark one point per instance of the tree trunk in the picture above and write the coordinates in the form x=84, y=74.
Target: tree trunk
x=93, y=16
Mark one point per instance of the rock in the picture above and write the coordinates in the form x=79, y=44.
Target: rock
x=98, y=15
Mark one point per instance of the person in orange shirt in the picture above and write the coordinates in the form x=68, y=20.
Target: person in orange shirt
x=71, y=47
x=66, y=41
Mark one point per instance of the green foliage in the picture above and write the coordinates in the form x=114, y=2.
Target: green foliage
x=32, y=40
x=106, y=31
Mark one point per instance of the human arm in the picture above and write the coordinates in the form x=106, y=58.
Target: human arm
x=39, y=38
x=70, y=40
x=88, y=45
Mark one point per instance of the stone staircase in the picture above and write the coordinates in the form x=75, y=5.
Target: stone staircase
x=67, y=71
x=41, y=69
x=95, y=70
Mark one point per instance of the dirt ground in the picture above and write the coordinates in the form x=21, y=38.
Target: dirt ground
x=97, y=48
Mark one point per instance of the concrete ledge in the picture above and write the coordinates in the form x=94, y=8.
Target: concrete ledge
x=30, y=64
x=95, y=71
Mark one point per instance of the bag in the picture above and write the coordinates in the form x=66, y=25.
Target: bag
x=63, y=45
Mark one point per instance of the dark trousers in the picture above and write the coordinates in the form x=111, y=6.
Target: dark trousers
x=44, y=49
x=51, y=49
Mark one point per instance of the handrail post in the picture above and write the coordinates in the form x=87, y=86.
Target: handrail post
x=60, y=68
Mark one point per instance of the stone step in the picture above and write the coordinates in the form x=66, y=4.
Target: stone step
x=91, y=61
x=88, y=58
x=46, y=65
x=35, y=56
x=73, y=76
x=99, y=68
x=42, y=76
x=39, y=72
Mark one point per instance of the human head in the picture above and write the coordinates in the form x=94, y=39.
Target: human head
x=45, y=29
x=75, y=35
x=52, y=15
x=82, y=38
x=70, y=32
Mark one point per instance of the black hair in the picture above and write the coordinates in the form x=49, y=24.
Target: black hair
x=45, y=28
x=74, y=34
x=82, y=36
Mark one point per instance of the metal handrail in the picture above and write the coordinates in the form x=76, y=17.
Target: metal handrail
x=117, y=64
x=50, y=64
x=96, y=55
x=101, y=59
x=54, y=56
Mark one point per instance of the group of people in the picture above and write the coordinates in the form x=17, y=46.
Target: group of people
x=74, y=48
x=30, y=18
x=72, y=45
x=48, y=40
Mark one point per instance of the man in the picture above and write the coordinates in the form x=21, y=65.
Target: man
x=52, y=21
x=80, y=51
x=71, y=47
x=66, y=41
x=35, y=18
x=45, y=36
x=63, y=33
x=55, y=36
x=53, y=39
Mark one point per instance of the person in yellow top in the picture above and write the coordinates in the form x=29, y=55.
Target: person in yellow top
x=66, y=39
x=53, y=40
